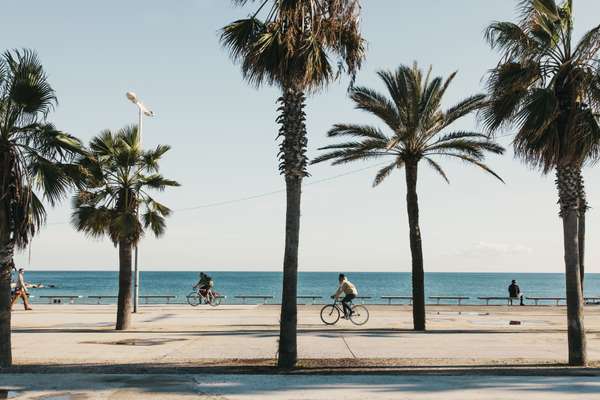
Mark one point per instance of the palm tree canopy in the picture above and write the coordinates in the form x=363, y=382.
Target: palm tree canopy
x=416, y=126
x=119, y=174
x=290, y=43
x=36, y=159
x=544, y=86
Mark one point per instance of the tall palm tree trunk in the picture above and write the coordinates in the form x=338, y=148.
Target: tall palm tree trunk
x=582, y=210
x=293, y=163
x=418, y=275
x=124, y=307
x=566, y=181
x=6, y=258
x=581, y=245
x=288, y=348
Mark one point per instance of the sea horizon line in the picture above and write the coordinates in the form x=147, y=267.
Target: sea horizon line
x=336, y=270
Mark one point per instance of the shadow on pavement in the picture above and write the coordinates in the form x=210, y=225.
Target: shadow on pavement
x=270, y=330
x=314, y=367
x=321, y=386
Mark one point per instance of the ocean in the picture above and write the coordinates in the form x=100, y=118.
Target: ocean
x=374, y=284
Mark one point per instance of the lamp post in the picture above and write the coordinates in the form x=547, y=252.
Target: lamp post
x=142, y=110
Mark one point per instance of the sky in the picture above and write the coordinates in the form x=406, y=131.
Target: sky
x=222, y=134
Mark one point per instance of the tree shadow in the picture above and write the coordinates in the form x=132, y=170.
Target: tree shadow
x=266, y=383
x=272, y=329
x=351, y=366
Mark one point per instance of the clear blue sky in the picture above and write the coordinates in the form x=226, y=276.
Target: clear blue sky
x=223, y=132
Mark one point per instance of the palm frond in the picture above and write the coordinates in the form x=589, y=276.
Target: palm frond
x=510, y=39
x=151, y=158
x=155, y=206
x=50, y=178
x=125, y=226
x=354, y=130
x=115, y=186
x=346, y=156
x=37, y=212
x=396, y=85
x=471, y=143
x=384, y=173
x=437, y=168
x=508, y=85
x=588, y=47
x=93, y=221
x=130, y=136
x=154, y=221
x=239, y=36
x=471, y=160
x=413, y=114
x=104, y=144
x=157, y=182
x=29, y=92
x=543, y=87
x=375, y=103
x=463, y=108
x=292, y=43
x=37, y=157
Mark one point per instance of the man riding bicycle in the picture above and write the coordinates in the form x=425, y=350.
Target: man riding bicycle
x=205, y=285
x=349, y=291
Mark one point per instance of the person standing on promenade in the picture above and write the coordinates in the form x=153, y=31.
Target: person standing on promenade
x=349, y=291
x=21, y=291
x=514, y=292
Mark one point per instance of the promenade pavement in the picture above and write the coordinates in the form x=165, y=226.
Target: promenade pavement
x=182, y=335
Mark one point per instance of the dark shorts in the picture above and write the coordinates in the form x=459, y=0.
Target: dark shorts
x=348, y=297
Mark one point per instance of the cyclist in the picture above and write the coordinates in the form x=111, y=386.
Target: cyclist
x=349, y=291
x=205, y=285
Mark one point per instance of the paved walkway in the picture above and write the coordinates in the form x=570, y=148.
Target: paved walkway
x=294, y=387
x=84, y=335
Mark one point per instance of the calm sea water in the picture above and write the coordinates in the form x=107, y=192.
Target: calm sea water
x=375, y=284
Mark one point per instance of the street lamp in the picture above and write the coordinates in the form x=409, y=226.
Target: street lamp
x=143, y=110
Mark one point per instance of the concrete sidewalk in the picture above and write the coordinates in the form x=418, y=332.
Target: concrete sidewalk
x=176, y=335
x=295, y=387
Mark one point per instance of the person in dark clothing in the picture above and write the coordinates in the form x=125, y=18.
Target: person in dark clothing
x=514, y=292
x=205, y=285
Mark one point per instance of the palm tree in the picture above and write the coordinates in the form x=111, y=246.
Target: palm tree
x=549, y=90
x=119, y=173
x=417, y=132
x=289, y=44
x=35, y=165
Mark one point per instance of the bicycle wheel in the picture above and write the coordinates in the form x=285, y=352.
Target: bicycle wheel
x=193, y=299
x=330, y=314
x=360, y=315
x=215, y=300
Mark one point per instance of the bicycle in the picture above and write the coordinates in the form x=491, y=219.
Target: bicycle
x=200, y=296
x=331, y=313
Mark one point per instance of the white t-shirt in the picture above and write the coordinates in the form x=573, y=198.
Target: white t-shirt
x=346, y=287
